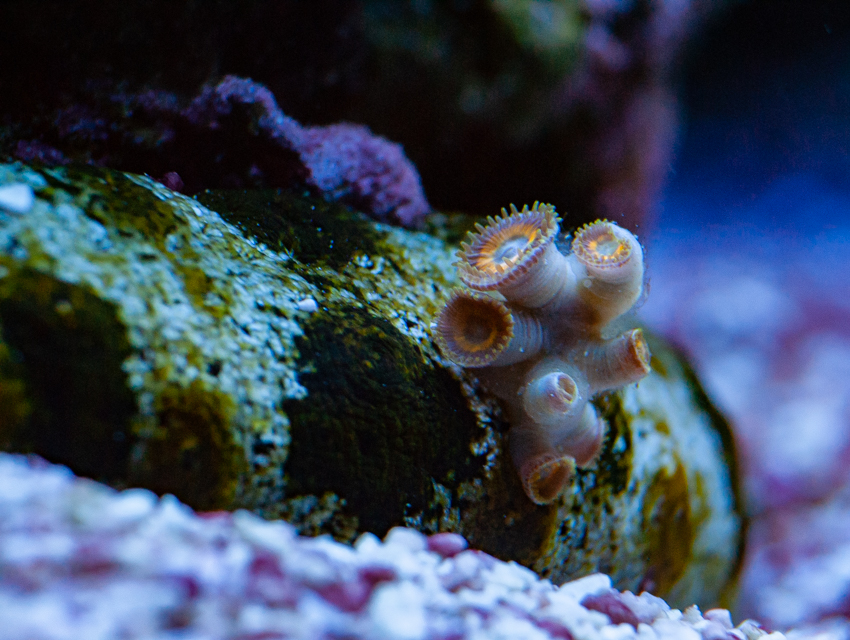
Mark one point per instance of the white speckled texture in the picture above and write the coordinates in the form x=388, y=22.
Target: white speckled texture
x=174, y=340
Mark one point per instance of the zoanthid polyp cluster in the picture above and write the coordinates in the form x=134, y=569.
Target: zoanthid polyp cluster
x=540, y=326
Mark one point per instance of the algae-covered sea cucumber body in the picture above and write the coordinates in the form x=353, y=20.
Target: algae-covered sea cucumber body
x=271, y=351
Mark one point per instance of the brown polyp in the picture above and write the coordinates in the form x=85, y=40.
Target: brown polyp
x=544, y=477
x=593, y=242
x=551, y=396
x=474, y=329
x=618, y=362
x=508, y=248
x=558, y=308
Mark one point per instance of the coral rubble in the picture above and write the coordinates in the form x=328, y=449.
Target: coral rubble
x=80, y=560
x=544, y=349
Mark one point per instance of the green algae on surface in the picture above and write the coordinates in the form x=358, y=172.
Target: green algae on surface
x=397, y=425
x=209, y=313
x=69, y=347
x=306, y=227
x=276, y=355
x=670, y=526
x=692, y=513
x=194, y=439
x=206, y=317
x=15, y=405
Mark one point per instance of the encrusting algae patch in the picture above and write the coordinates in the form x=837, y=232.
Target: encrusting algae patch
x=268, y=350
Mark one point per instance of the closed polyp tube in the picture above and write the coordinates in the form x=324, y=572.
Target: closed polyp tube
x=617, y=362
x=553, y=397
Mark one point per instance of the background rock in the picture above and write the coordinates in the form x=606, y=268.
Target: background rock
x=235, y=135
x=494, y=101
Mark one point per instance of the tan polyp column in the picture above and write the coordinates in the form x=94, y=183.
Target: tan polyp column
x=617, y=362
x=543, y=282
x=612, y=259
x=526, y=342
x=542, y=470
x=581, y=440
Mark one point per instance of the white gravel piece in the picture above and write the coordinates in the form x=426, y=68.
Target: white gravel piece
x=17, y=198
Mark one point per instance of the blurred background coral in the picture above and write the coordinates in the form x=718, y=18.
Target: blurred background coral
x=756, y=215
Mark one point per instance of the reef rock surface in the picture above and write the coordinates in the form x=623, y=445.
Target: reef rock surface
x=271, y=351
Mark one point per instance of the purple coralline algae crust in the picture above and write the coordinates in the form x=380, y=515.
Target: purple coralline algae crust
x=81, y=560
x=208, y=109
x=234, y=135
x=347, y=162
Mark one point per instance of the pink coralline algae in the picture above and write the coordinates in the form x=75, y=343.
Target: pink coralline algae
x=81, y=560
x=347, y=162
x=234, y=135
x=537, y=326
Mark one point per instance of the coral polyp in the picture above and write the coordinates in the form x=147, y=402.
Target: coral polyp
x=512, y=254
x=536, y=324
x=602, y=245
x=551, y=397
x=545, y=475
x=475, y=330
x=612, y=260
